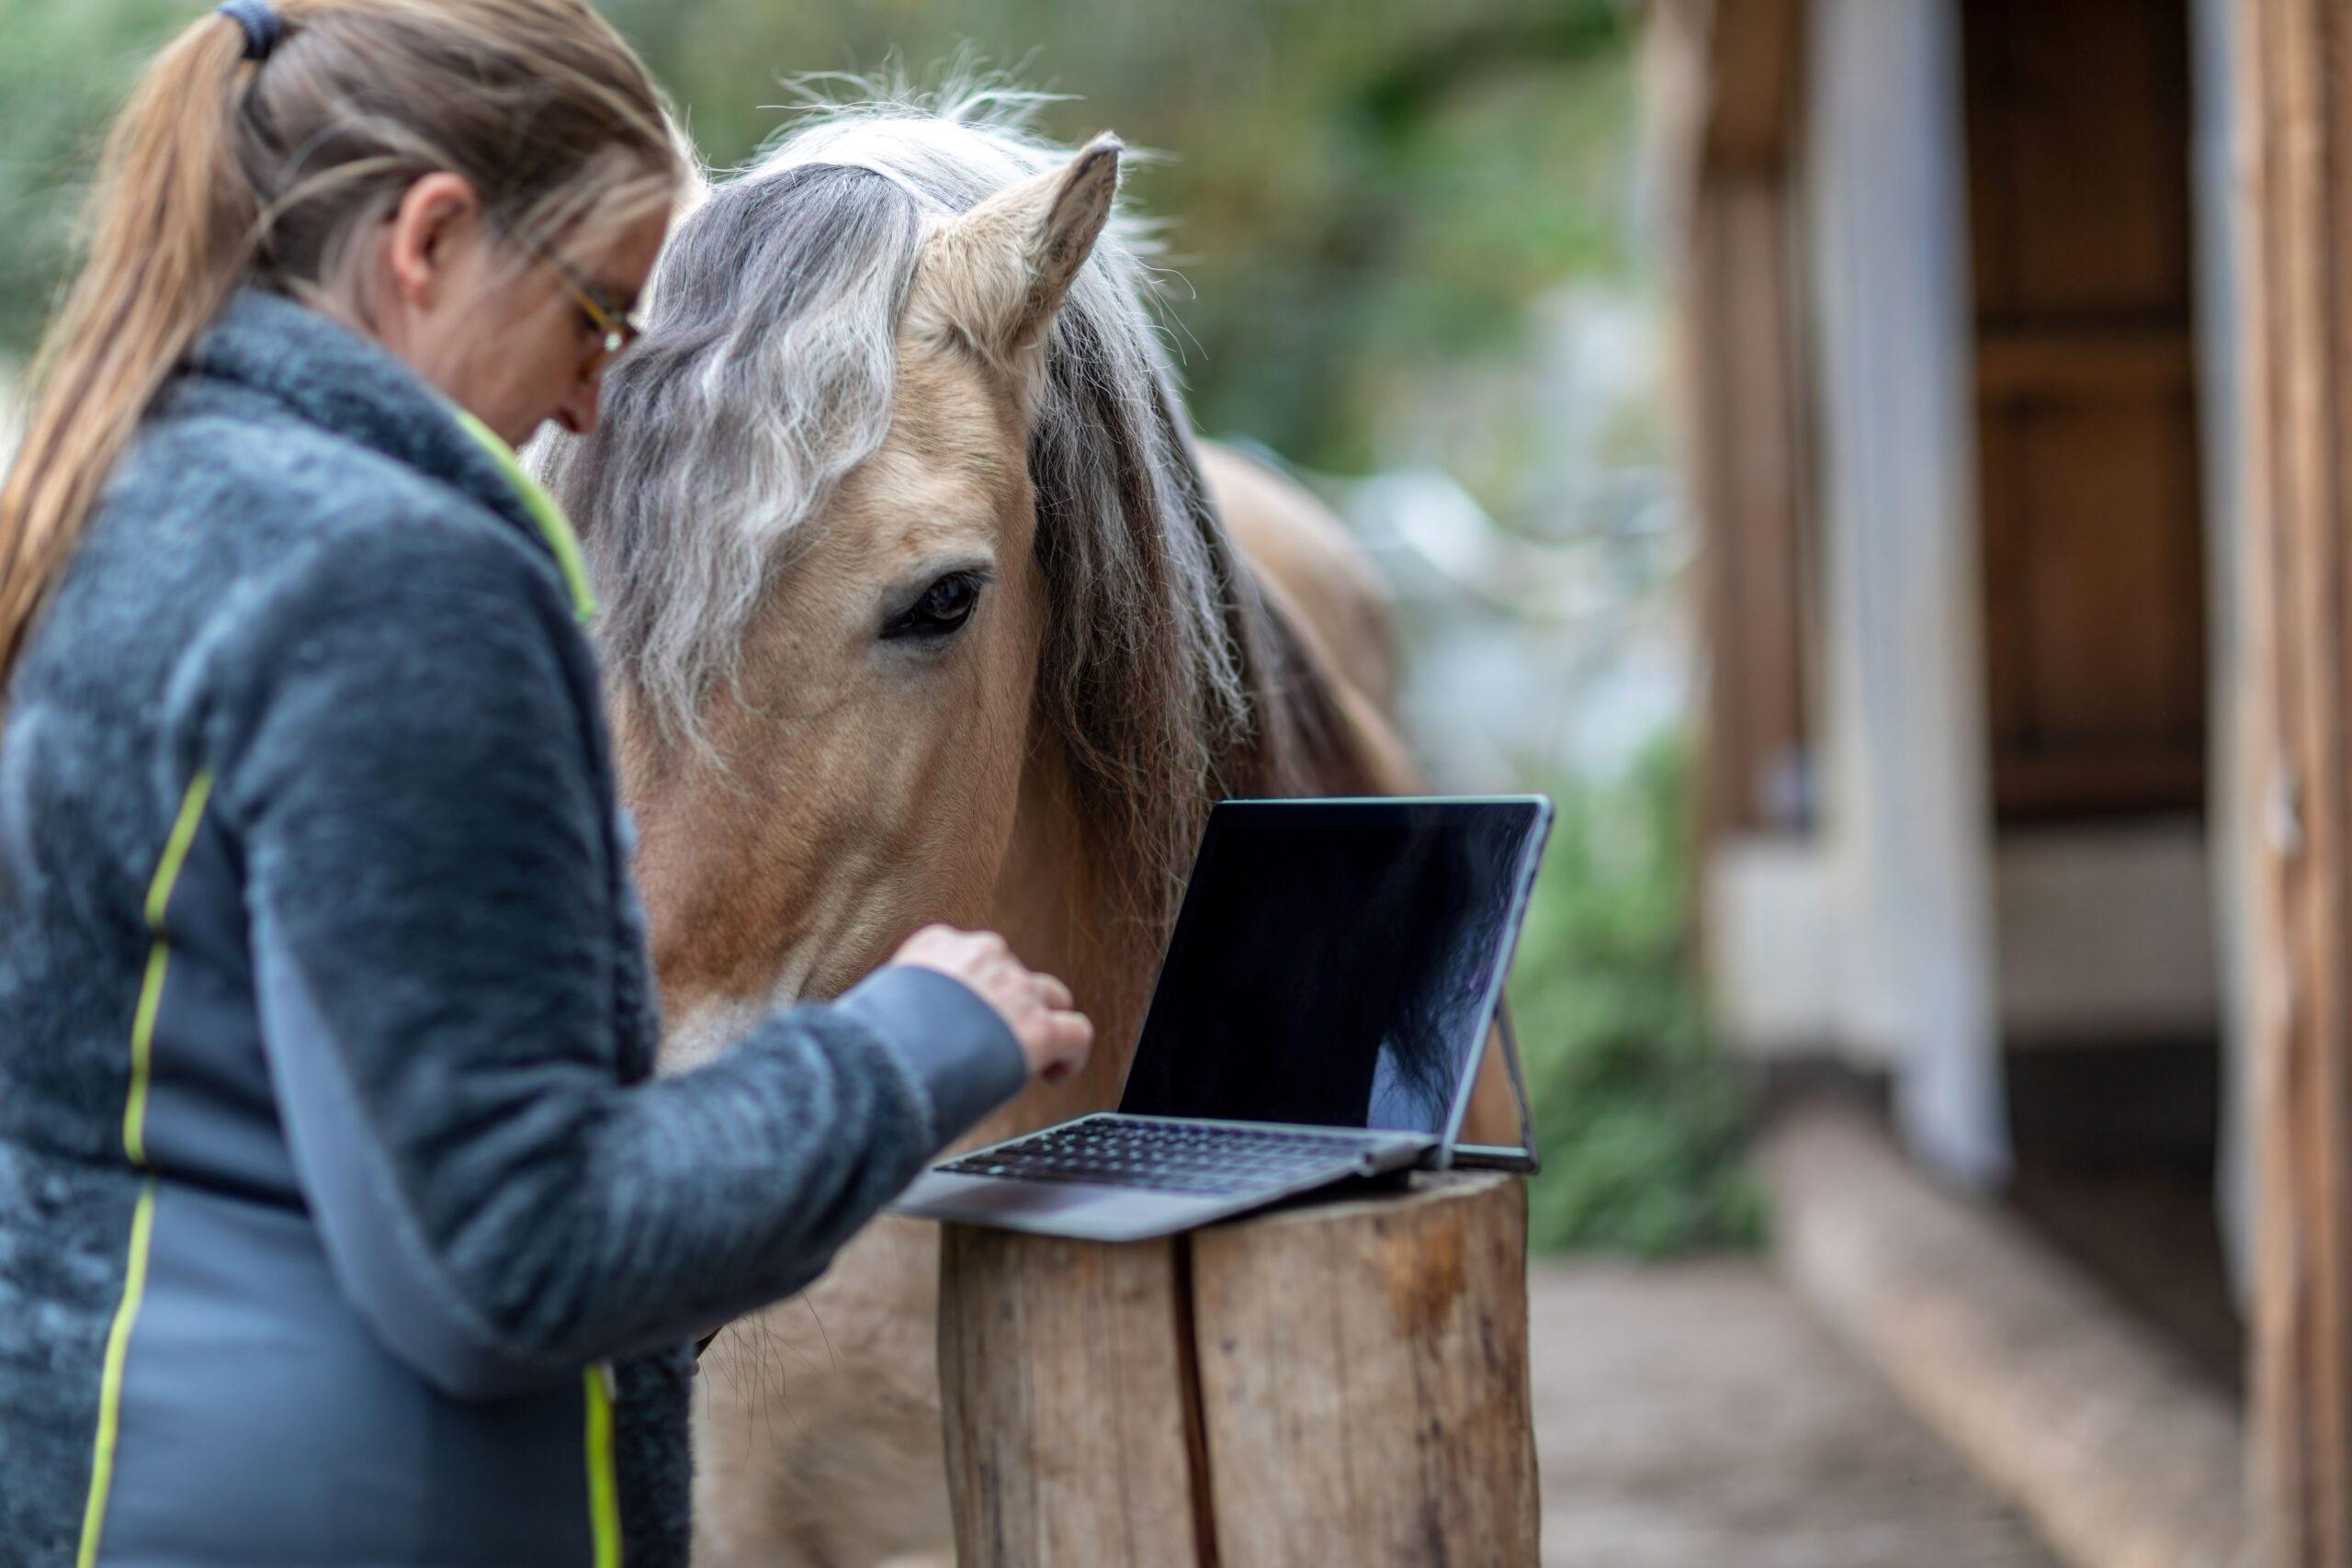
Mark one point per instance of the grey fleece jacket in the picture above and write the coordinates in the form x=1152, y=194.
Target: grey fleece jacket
x=341, y=1221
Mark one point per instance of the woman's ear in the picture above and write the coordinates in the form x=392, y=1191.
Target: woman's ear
x=438, y=217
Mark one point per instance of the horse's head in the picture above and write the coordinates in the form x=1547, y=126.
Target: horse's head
x=894, y=497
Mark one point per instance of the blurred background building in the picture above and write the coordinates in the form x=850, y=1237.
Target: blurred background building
x=1814, y=440
x=2011, y=357
x=1965, y=587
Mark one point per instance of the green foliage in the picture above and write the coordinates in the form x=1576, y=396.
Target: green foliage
x=1358, y=190
x=1640, y=1122
x=64, y=70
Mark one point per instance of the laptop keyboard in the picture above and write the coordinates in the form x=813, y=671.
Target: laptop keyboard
x=1165, y=1157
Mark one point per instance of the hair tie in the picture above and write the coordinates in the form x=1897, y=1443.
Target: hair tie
x=265, y=29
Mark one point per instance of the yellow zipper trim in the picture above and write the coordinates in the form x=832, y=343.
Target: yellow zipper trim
x=134, y=1146
x=604, y=1488
x=151, y=990
x=134, y=1286
x=554, y=527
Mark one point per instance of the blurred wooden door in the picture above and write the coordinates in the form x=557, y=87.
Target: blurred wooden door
x=2078, y=131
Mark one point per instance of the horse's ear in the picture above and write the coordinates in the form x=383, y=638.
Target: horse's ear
x=994, y=276
x=694, y=189
x=693, y=186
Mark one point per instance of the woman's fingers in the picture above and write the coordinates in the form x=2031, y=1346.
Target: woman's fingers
x=1072, y=1041
x=1038, y=1007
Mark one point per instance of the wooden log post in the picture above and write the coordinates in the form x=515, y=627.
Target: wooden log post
x=1726, y=76
x=1345, y=1382
x=2294, y=151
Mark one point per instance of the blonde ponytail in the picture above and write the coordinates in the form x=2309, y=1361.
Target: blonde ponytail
x=220, y=171
x=172, y=230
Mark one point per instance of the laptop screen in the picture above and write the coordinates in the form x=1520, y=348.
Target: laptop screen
x=1336, y=963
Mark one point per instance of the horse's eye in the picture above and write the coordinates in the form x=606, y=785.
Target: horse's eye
x=944, y=608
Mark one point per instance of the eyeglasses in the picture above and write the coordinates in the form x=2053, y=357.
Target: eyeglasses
x=620, y=328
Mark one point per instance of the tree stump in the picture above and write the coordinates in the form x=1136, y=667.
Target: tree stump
x=1345, y=1382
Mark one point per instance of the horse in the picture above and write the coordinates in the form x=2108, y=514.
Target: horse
x=917, y=606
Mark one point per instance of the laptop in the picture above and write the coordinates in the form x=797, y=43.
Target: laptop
x=1320, y=1015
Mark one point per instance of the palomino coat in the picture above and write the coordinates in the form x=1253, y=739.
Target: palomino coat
x=340, y=1218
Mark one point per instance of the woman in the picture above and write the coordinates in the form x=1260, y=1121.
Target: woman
x=340, y=1221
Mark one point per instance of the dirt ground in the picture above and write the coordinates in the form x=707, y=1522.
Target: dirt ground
x=1693, y=1416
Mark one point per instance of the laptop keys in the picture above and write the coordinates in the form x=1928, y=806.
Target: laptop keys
x=1165, y=1157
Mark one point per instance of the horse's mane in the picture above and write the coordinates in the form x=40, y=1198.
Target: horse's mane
x=768, y=373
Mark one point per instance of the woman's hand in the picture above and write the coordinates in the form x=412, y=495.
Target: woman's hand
x=1054, y=1036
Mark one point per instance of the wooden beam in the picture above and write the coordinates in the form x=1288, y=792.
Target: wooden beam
x=2077, y=1412
x=2093, y=780
x=1722, y=84
x=1725, y=82
x=1745, y=408
x=2295, y=160
x=1755, y=63
x=2032, y=364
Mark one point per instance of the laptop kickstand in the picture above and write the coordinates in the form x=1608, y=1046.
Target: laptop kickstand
x=1519, y=1087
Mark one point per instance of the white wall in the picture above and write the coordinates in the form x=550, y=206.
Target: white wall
x=2101, y=934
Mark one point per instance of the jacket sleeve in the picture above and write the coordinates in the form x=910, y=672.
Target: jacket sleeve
x=416, y=790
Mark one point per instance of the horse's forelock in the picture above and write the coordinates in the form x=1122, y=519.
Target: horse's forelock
x=769, y=373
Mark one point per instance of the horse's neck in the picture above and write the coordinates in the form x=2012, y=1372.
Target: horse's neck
x=1056, y=909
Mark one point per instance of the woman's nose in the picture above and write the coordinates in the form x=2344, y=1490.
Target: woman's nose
x=578, y=411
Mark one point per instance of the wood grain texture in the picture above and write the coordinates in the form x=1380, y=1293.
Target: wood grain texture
x=1346, y=1382
x=2295, y=142
x=1063, y=1399
x=1363, y=1380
